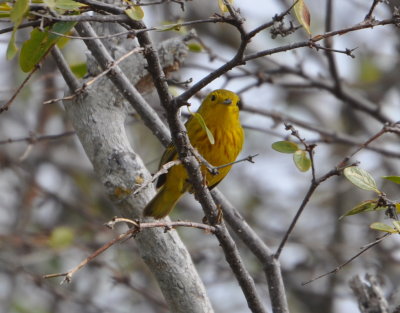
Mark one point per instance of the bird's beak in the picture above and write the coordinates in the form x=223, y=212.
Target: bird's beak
x=227, y=101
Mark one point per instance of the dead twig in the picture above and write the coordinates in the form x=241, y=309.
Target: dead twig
x=339, y=267
x=137, y=227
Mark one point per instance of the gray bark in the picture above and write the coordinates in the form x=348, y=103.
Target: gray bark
x=369, y=294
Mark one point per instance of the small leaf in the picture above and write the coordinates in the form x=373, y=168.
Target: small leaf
x=302, y=14
x=35, y=48
x=365, y=206
x=69, y=5
x=135, y=13
x=396, y=225
x=79, y=70
x=63, y=41
x=394, y=179
x=383, y=227
x=204, y=126
x=285, y=146
x=222, y=5
x=12, y=48
x=16, y=15
x=50, y=3
x=61, y=237
x=4, y=6
x=164, y=28
x=301, y=160
x=194, y=47
x=18, y=11
x=361, y=178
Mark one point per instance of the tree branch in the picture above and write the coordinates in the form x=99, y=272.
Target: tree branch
x=183, y=145
x=98, y=115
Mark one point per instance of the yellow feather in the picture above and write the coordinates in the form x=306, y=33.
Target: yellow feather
x=220, y=112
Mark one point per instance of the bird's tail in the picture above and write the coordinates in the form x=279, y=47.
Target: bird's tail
x=163, y=203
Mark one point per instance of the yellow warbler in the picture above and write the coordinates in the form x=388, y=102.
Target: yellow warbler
x=220, y=113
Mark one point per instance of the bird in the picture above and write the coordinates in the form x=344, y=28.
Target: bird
x=220, y=113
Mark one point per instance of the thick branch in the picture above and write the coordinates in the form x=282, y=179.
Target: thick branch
x=98, y=115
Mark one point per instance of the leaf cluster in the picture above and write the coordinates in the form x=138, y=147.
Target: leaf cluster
x=364, y=180
x=300, y=156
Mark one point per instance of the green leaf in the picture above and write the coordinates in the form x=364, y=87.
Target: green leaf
x=61, y=28
x=5, y=10
x=63, y=41
x=394, y=179
x=383, y=227
x=61, y=237
x=361, y=178
x=302, y=14
x=35, y=48
x=194, y=47
x=50, y=3
x=16, y=15
x=18, y=11
x=365, y=206
x=164, y=28
x=301, y=160
x=396, y=225
x=135, y=13
x=69, y=5
x=204, y=126
x=12, y=48
x=222, y=5
x=4, y=6
x=79, y=70
x=285, y=147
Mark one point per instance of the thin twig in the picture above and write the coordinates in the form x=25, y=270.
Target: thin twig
x=68, y=275
x=7, y=105
x=317, y=38
x=339, y=267
x=326, y=136
x=137, y=227
x=87, y=84
x=33, y=138
x=371, y=10
x=363, y=145
x=21, y=26
x=249, y=158
x=163, y=170
x=167, y=224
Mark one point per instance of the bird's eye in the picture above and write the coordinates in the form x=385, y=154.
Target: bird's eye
x=213, y=97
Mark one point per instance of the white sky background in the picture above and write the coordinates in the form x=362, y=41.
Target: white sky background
x=274, y=171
